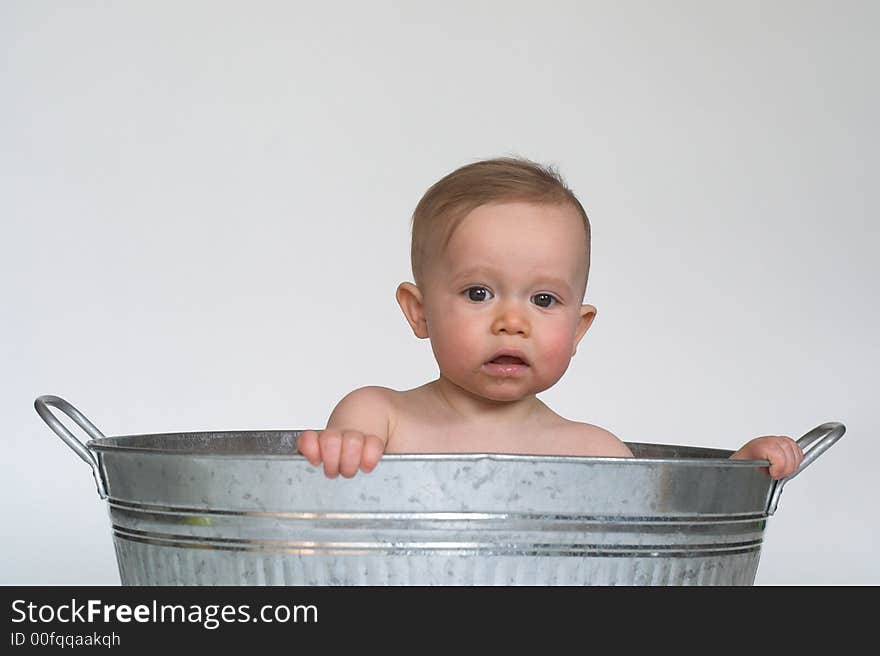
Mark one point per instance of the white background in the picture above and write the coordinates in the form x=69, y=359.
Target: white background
x=205, y=213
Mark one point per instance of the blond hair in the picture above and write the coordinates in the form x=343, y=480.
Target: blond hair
x=504, y=179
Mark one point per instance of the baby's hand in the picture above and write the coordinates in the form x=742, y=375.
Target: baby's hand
x=341, y=451
x=784, y=454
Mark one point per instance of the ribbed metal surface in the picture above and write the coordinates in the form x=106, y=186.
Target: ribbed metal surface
x=176, y=546
x=144, y=564
x=245, y=509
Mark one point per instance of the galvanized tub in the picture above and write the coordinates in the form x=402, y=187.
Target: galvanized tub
x=243, y=508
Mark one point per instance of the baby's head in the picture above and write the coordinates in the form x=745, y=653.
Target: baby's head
x=500, y=257
x=503, y=180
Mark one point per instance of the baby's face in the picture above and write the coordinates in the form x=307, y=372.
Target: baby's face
x=511, y=278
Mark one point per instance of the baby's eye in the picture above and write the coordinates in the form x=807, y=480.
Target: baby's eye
x=544, y=300
x=478, y=294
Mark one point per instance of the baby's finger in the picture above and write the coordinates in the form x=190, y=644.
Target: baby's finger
x=784, y=457
x=789, y=459
x=374, y=446
x=352, y=447
x=307, y=445
x=778, y=457
x=331, y=445
x=795, y=455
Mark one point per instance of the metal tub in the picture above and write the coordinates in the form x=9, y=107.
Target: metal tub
x=243, y=508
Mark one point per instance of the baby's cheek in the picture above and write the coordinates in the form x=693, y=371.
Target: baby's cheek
x=450, y=355
x=558, y=348
x=554, y=360
x=452, y=346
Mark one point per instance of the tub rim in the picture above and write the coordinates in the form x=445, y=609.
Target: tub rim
x=715, y=457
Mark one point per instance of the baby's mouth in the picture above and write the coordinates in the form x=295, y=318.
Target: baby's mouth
x=506, y=365
x=507, y=359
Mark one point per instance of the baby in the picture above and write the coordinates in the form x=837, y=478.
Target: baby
x=500, y=258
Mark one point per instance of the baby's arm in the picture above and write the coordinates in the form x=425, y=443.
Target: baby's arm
x=784, y=454
x=355, y=437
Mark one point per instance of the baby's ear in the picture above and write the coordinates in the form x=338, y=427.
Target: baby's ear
x=409, y=297
x=587, y=314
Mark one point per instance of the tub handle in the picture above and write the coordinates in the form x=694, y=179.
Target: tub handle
x=820, y=439
x=42, y=406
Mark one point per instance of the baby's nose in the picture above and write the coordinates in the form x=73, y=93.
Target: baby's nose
x=511, y=320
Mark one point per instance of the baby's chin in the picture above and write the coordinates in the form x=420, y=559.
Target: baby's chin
x=504, y=398
x=505, y=391
x=499, y=390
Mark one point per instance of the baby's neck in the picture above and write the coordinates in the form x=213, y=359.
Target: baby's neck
x=475, y=410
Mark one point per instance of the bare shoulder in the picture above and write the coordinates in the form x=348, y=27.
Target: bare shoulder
x=371, y=394
x=366, y=409
x=590, y=440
